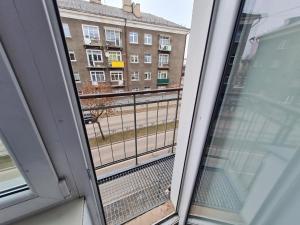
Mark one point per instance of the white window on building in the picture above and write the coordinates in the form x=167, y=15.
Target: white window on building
x=135, y=89
x=135, y=76
x=97, y=76
x=113, y=37
x=148, y=39
x=147, y=76
x=161, y=87
x=114, y=56
x=147, y=58
x=116, y=75
x=66, y=29
x=162, y=74
x=91, y=32
x=147, y=88
x=77, y=77
x=163, y=59
x=72, y=56
x=94, y=57
x=133, y=37
x=164, y=40
x=134, y=58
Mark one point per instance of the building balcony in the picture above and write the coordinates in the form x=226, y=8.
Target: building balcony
x=141, y=152
x=163, y=81
x=113, y=45
x=90, y=43
x=165, y=48
x=116, y=64
x=116, y=84
x=163, y=66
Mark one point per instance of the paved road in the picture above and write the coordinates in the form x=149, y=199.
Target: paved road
x=115, y=122
x=116, y=152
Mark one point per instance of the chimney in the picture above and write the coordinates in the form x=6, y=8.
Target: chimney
x=136, y=9
x=127, y=6
x=96, y=1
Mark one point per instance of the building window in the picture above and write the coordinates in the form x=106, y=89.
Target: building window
x=135, y=76
x=163, y=59
x=97, y=76
x=72, y=56
x=133, y=37
x=77, y=77
x=94, y=57
x=147, y=58
x=113, y=37
x=66, y=29
x=135, y=89
x=147, y=76
x=147, y=88
x=162, y=74
x=164, y=40
x=91, y=32
x=114, y=56
x=134, y=58
x=148, y=39
x=161, y=87
x=116, y=75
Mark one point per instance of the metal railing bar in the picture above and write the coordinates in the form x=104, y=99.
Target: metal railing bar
x=175, y=121
x=157, y=110
x=112, y=151
x=123, y=137
x=166, y=123
x=135, y=129
x=88, y=96
x=132, y=157
x=128, y=104
x=147, y=136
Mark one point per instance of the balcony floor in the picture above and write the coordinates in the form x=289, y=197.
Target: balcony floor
x=128, y=194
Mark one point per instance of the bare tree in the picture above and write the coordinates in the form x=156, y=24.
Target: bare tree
x=95, y=105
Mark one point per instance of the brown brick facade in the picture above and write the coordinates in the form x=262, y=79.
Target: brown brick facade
x=76, y=44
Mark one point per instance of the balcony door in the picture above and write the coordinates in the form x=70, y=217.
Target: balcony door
x=242, y=160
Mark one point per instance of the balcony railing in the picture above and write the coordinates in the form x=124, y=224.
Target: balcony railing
x=165, y=48
x=129, y=125
x=163, y=81
x=132, y=137
x=116, y=64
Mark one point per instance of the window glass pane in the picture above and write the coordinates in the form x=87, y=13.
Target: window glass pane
x=253, y=140
x=10, y=176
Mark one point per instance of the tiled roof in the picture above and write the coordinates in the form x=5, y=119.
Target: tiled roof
x=104, y=10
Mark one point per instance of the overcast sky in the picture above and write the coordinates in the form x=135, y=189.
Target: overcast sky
x=178, y=11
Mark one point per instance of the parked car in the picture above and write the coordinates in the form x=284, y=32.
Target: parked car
x=89, y=118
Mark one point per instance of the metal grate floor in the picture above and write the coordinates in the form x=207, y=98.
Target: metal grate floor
x=215, y=191
x=131, y=193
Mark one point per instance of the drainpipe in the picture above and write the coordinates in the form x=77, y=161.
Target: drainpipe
x=126, y=52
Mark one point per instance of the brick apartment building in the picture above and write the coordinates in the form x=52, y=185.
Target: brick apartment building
x=125, y=48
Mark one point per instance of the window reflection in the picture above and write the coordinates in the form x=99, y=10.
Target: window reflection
x=255, y=135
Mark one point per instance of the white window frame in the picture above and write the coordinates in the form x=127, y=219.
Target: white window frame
x=72, y=52
x=94, y=52
x=147, y=88
x=66, y=29
x=117, y=57
x=117, y=35
x=161, y=76
x=119, y=74
x=147, y=39
x=161, y=61
x=134, y=58
x=147, y=76
x=198, y=98
x=88, y=35
x=135, y=76
x=148, y=56
x=77, y=77
x=97, y=76
x=133, y=37
x=135, y=89
x=164, y=40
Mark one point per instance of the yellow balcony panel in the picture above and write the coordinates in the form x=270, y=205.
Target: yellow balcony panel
x=117, y=64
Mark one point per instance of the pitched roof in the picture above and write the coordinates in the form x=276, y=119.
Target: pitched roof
x=105, y=10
